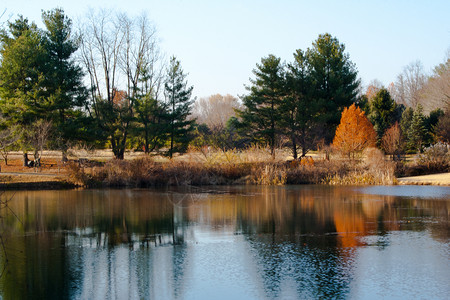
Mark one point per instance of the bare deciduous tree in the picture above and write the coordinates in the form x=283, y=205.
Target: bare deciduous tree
x=373, y=88
x=116, y=49
x=436, y=92
x=37, y=135
x=408, y=87
x=392, y=141
x=215, y=110
x=8, y=137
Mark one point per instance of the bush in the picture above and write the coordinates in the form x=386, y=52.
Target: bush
x=436, y=158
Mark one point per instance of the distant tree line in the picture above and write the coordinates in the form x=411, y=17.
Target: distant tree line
x=300, y=104
x=108, y=85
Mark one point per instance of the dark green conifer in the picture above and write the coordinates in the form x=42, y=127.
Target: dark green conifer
x=64, y=78
x=382, y=112
x=299, y=108
x=178, y=108
x=334, y=78
x=262, y=114
x=417, y=132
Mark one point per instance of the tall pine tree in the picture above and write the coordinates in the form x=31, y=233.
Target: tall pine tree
x=22, y=77
x=179, y=105
x=22, y=73
x=262, y=114
x=64, y=78
x=299, y=107
x=334, y=78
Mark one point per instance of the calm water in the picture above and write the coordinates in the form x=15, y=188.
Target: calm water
x=301, y=242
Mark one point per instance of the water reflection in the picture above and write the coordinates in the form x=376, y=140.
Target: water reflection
x=236, y=242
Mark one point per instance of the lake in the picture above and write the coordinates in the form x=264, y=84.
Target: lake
x=294, y=242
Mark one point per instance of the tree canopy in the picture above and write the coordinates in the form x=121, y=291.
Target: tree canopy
x=355, y=132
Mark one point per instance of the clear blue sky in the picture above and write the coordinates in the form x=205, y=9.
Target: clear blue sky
x=220, y=42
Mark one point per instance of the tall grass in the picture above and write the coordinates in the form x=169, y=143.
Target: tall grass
x=373, y=169
x=230, y=168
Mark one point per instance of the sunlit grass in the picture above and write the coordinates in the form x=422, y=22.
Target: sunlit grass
x=252, y=166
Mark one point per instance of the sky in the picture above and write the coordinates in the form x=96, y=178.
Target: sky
x=219, y=43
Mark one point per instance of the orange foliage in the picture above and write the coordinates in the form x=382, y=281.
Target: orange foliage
x=304, y=161
x=307, y=161
x=119, y=97
x=355, y=132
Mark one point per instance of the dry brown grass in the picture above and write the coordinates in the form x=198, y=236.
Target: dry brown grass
x=144, y=172
x=373, y=169
x=215, y=167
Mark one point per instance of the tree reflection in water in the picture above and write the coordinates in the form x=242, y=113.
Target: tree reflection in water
x=244, y=242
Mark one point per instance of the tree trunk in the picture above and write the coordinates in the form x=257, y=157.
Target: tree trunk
x=64, y=158
x=146, y=148
x=36, y=155
x=171, y=143
x=304, y=150
x=121, y=154
x=117, y=148
x=294, y=148
x=25, y=159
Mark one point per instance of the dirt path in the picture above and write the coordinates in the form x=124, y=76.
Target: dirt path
x=28, y=174
x=30, y=177
x=434, y=179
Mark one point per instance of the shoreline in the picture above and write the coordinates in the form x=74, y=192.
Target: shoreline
x=36, y=186
x=49, y=182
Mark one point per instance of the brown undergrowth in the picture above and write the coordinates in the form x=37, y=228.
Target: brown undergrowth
x=372, y=169
x=145, y=172
x=434, y=159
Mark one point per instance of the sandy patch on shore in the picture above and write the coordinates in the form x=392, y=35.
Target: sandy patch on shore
x=433, y=179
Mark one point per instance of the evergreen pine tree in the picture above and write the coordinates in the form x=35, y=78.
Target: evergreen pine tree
x=334, y=78
x=417, y=133
x=22, y=77
x=382, y=112
x=299, y=107
x=179, y=106
x=150, y=124
x=64, y=78
x=22, y=73
x=261, y=115
x=406, y=119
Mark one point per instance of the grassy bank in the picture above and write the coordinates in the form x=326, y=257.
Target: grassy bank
x=211, y=167
x=226, y=169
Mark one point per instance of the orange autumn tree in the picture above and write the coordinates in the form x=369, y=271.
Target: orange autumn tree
x=354, y=133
